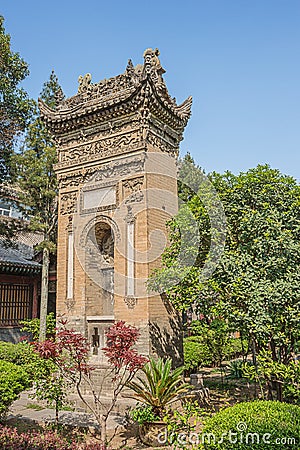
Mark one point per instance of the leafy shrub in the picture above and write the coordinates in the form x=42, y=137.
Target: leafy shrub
x=34, y=440
x=285, y=378
x=13, y=380
x=23, y=354
x=210, y=345
x=266, y=425
x=53, y=389
x=19, y=354
x=182, y=421
x=235, y=348
x=142, y=414
x=196, y=354
x=32, y=326
x=159, y=386
x=236, y=368
x=290, y=376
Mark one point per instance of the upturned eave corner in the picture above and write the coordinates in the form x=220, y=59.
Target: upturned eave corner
x=185, y=108
x=45, y=111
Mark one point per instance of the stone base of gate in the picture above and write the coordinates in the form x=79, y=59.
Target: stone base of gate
x=102, y=380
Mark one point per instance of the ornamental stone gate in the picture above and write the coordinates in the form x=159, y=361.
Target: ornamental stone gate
x=117, y=143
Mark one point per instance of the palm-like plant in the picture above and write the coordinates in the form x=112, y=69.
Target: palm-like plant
x=160, y=386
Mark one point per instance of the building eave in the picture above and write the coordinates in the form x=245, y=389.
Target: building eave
x=20, y=268
x=130, y=91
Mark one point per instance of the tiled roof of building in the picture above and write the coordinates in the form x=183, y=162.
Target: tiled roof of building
x=20, y=257
x=29, y=238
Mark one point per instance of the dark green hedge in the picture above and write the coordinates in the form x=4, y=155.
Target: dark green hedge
x=13, y=380
x=260, y=425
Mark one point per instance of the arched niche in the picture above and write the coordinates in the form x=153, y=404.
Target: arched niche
x=99, y=283
x=99, y=269
x=104, y=238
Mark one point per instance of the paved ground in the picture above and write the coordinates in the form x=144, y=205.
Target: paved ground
x=20, y=410
x=121, y=437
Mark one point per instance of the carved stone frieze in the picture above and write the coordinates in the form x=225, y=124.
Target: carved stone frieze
x=73, y=179
x=105, y=90
x=123, y=167
x=119, y=169
x=108, y=87
x=127, y=123
x=68, y=203
x=132, y=190
x=162, y=144
x=102, y=147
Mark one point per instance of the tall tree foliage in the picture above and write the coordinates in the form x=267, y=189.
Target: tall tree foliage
x=190, y=237
x=36, y=178
x=190, y=178
x=256, y=285
x=15, y=106
x=15, y=112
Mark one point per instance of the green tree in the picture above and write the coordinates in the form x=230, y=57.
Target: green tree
x=256, y=284
x=15, y=106
x=37, y=180
x=190, y=236
x=32, y=326
x=15, y=112
x=190, y=177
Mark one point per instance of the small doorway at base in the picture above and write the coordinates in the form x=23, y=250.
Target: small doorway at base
x=97, y=327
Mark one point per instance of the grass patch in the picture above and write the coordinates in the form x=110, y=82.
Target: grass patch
x=34, y=406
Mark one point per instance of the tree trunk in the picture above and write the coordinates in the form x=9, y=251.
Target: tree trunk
x=279, y=391
x=103, y=436
x=44, y=294
x=56, y=414
x=254, y=361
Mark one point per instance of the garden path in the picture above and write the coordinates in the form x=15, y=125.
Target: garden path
x=26, y=408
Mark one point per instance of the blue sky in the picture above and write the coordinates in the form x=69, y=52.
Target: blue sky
x=240, y=60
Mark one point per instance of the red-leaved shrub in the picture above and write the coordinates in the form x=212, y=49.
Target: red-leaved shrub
x=70, y=353
x=10, y=439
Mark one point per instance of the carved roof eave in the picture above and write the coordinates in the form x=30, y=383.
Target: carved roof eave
x=88, y=112
x=127, y=101
x=181, y=113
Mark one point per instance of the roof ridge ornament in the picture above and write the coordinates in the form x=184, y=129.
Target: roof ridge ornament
x=129, y=68
x=152, y=62
x=59, y=97
x=131, y=73
x=84, y=83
